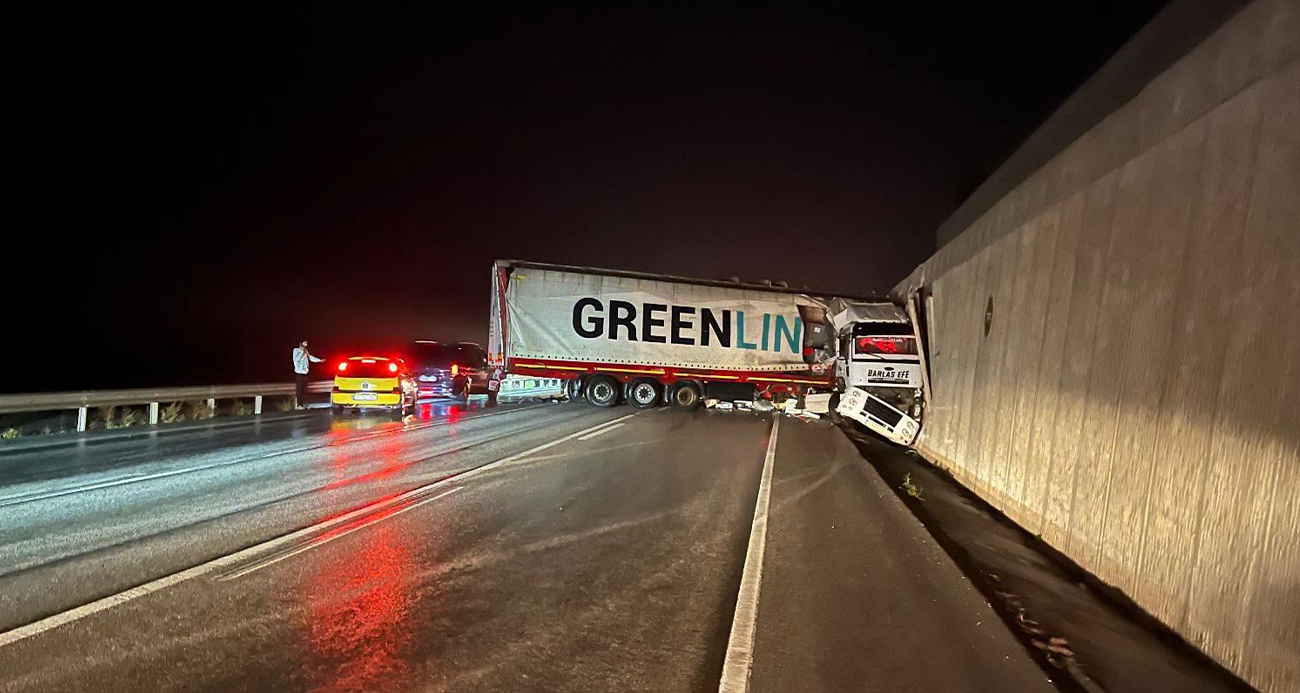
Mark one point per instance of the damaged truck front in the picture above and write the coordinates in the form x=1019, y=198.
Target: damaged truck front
x=878, y=369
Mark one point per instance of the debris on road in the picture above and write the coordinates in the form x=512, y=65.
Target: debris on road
x=818, y=404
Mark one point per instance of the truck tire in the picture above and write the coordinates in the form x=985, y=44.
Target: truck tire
x=573, y=388
x=643, y=393
x=684, y=395
x=602, y=391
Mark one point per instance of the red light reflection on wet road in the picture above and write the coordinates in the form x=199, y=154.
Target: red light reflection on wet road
x=349, y=465
x=359, y=610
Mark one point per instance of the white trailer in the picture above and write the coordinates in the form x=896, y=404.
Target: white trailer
x=645, y=338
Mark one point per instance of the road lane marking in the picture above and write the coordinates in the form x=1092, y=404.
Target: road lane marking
x=740, y=646
x=34, y=628
x=37, y=496
x=601, y=432
x=362, y=478
x=372, y=519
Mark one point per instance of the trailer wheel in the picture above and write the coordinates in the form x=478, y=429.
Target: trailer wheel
x=642, y=393
x=684, y=395
x=602, y=391
x=573, y=388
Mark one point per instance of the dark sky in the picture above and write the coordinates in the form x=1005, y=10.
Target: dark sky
x=198, y=187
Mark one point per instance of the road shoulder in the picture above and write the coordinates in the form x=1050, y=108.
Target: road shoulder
x=857, y=596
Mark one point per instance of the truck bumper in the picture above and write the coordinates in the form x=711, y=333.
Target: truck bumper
x=878, y=416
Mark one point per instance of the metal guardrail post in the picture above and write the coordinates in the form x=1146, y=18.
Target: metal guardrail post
x=212, y=405
x=153, y=413
x=257, y=405
x=82, y=415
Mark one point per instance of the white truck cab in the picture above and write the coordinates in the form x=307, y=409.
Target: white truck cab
x=878, y=369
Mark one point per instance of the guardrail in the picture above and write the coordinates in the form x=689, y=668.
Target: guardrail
x=84, y=401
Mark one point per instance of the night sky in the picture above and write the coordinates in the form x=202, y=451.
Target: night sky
x=199, y=187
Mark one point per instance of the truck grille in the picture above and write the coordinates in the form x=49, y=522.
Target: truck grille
x=882, y=411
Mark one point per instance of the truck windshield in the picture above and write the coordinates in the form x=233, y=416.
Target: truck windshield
x=885, y=344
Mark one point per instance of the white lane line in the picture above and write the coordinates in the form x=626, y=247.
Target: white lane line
x=376, y=518
x=38, y=496
x=20, y=633
x=601, y=432
x=740, y=646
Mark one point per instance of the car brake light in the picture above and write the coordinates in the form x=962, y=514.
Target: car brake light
x=455, y=369
x=392, y=367
x=343, y=366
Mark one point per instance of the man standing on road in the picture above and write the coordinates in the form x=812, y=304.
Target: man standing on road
x=302, y=360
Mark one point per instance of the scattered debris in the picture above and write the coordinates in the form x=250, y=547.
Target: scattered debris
x=818, y=404
x=910, y=488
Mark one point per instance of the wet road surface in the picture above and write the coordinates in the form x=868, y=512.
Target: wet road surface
x=524, y=548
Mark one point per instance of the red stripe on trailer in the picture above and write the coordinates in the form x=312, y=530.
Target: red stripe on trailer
x=627, y=371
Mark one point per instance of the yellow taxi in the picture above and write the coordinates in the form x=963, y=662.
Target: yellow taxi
x=373, y=382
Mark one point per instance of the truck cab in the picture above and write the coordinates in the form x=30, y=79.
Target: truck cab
x=878, y=367
x=882, y=358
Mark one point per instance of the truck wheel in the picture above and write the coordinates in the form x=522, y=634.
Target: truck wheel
x=642, y=393
x=602, y=391
x=573, y=388
x=684, y=395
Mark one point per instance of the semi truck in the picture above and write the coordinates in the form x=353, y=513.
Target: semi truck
x=651, y=339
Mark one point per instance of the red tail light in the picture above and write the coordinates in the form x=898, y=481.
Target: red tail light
x=392, y=367
x=343, y=366
x=455, y=369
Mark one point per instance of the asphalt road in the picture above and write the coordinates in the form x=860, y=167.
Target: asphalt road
x=525, y=548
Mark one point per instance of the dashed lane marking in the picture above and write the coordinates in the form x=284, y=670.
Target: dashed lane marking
x=229, y=561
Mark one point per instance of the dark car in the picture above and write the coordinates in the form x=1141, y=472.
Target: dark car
x=449, y=369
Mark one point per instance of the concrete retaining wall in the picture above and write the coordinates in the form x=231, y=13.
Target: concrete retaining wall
x=1136, y=399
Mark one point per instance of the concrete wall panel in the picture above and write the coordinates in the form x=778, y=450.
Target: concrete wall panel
x=1048, y=381
x=1274, y=216
x=1136, y=398
x=1040, y=266
x=1181, y=440
x=1085, y=295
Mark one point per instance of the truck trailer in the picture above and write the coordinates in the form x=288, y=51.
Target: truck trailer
x=649, y=339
